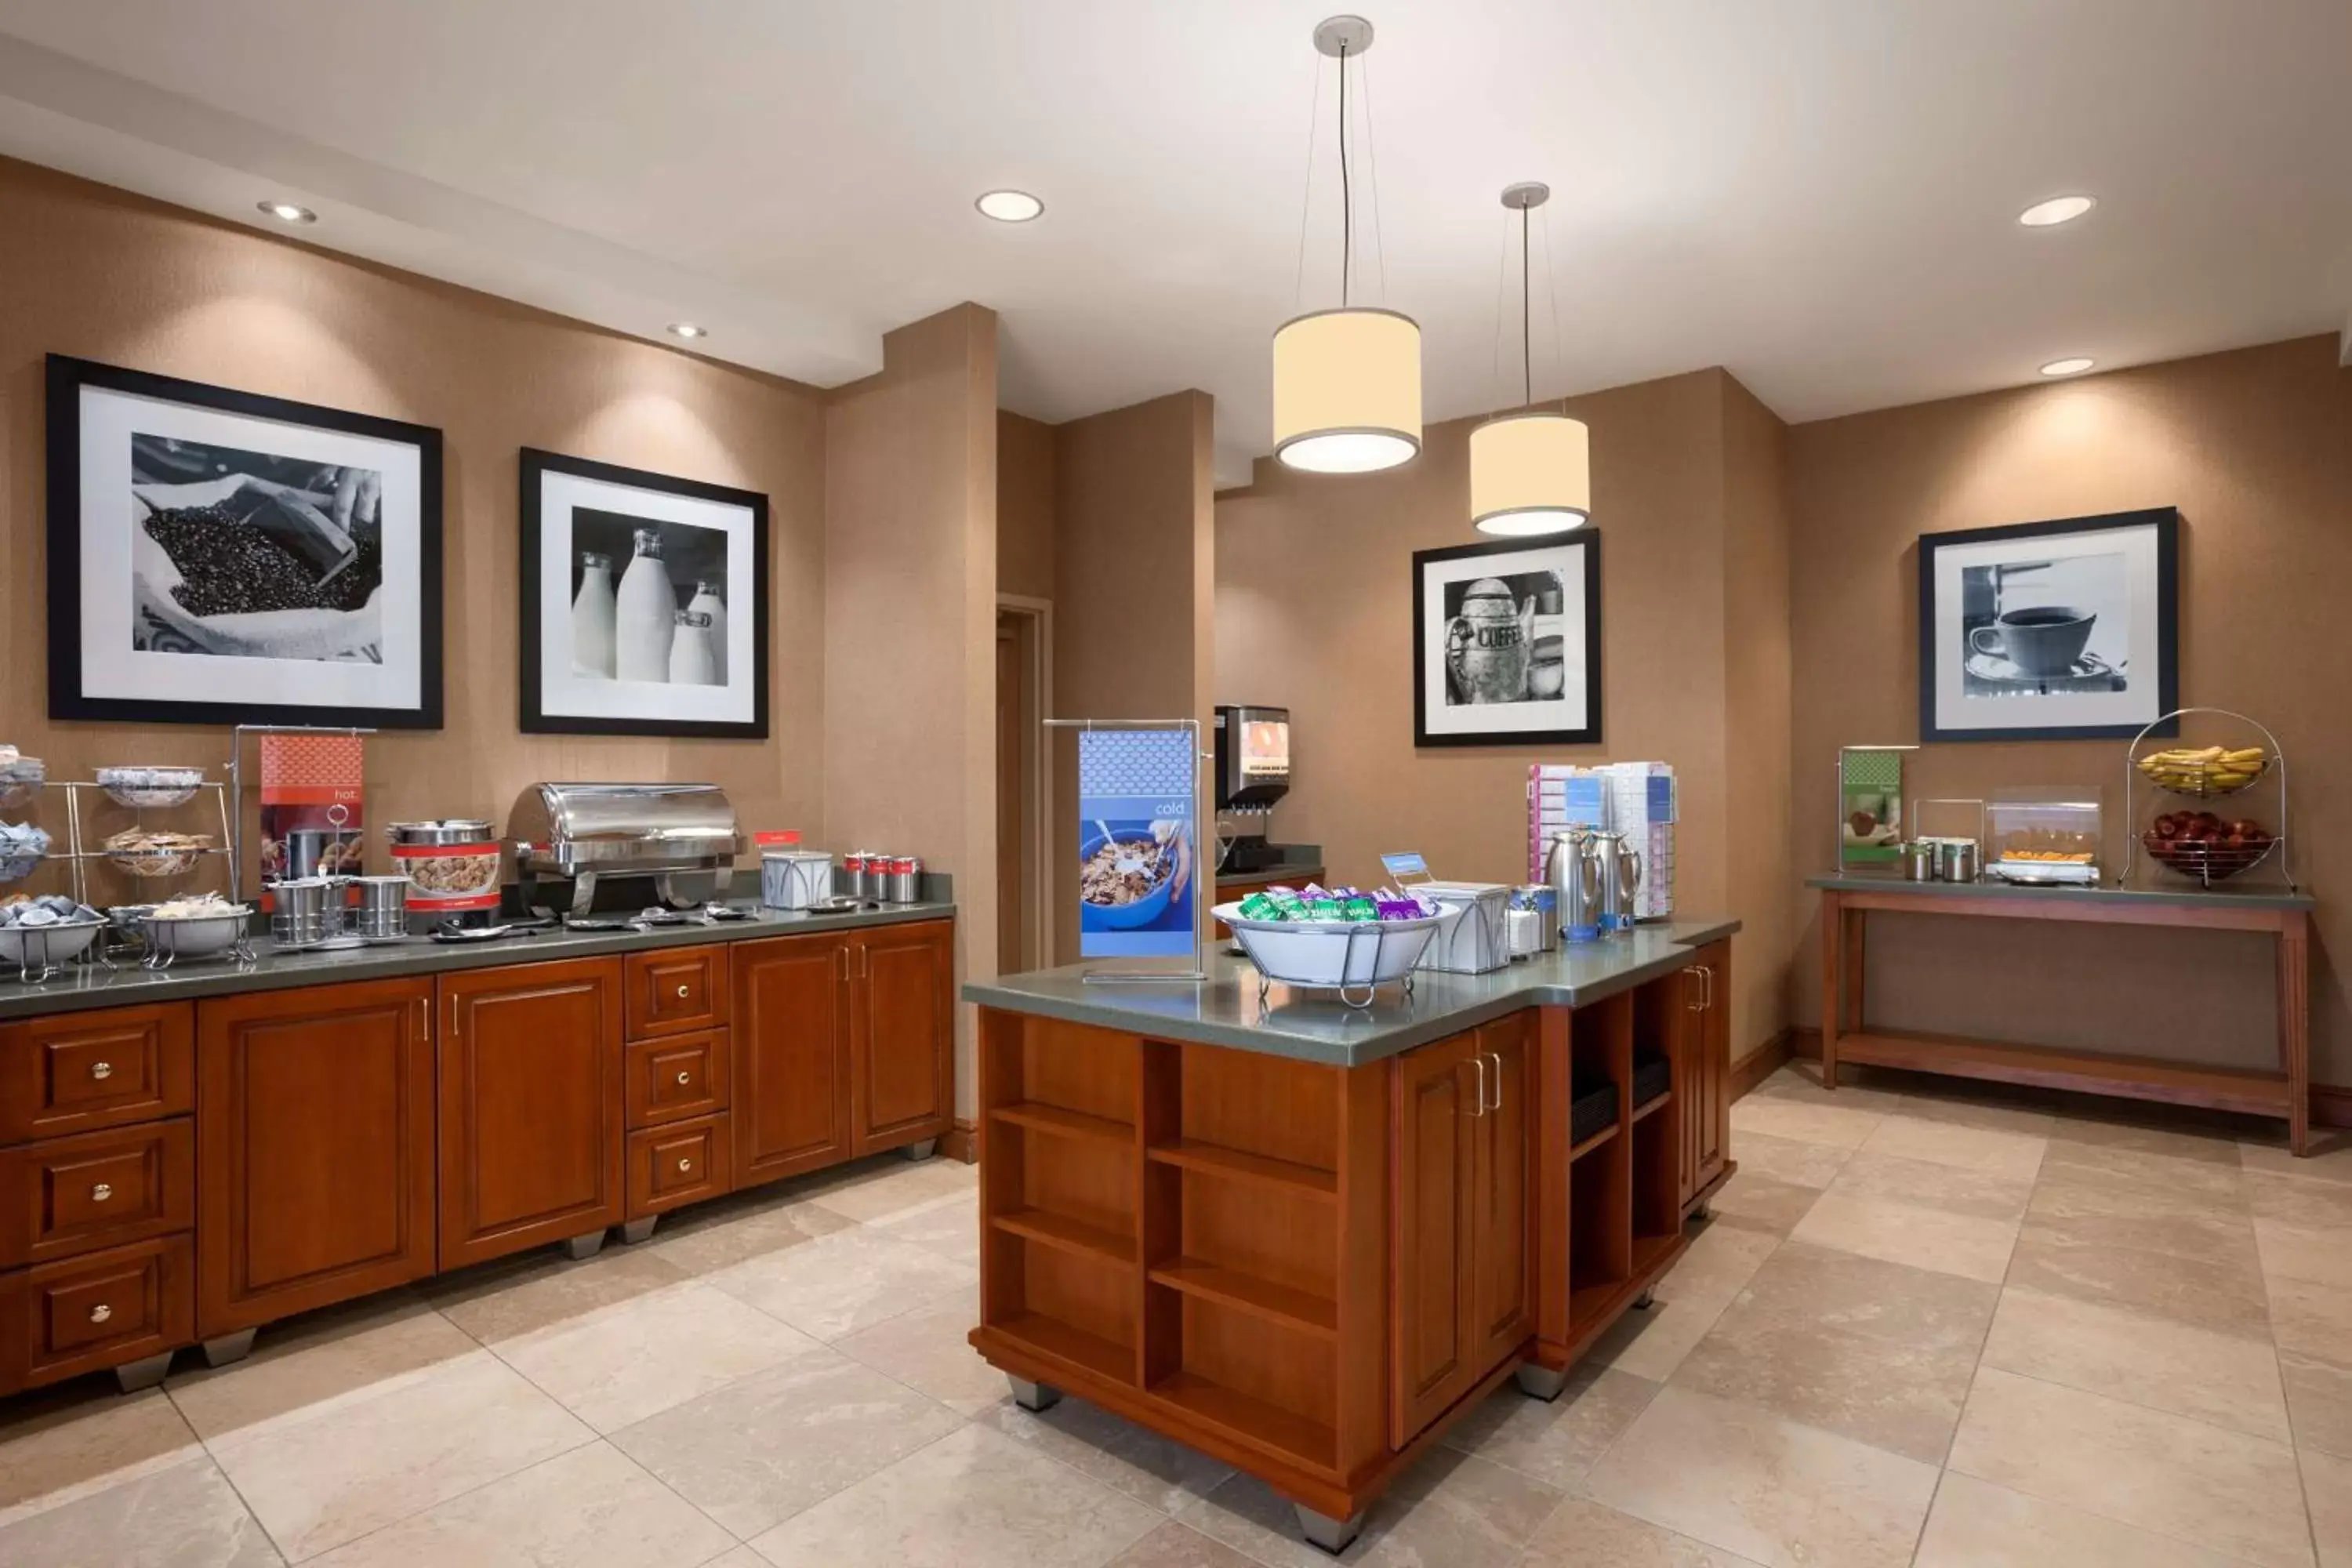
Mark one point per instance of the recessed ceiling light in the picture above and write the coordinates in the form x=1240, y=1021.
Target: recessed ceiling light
x=2074, y=366
x=688, y=330
x=1010, y=206
x=2056, y=210
x=287, y=211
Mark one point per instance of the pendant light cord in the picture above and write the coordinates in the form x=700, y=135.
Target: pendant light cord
x=1347, y=202
x=1526, y=351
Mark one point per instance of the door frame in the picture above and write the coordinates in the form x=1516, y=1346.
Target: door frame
x=1038, y=673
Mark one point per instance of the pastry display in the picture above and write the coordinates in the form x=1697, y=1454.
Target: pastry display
x=147, y=852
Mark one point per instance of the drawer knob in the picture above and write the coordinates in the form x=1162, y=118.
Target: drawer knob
x=100, y=1312
x=100, y=1193
x=686, y=1077
x=684, y=1164
x=102, y=1069
x=681, y=991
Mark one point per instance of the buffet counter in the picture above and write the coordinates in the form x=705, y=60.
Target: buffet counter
x=1305, y=1237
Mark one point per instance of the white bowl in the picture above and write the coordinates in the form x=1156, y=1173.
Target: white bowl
x=1330, y=953
x=142, y=787
x=42, y=947
x=191, y=936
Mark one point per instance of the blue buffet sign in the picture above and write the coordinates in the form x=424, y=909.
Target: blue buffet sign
x=1136, y=794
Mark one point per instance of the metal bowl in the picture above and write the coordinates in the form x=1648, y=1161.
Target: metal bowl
x=45, y=947
x=191, y=936
x=139, y=787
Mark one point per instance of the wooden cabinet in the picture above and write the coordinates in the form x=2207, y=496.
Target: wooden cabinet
x=674, y=990
x=314, y=1148
x=103, y=1309
x=678, y=1164
x=79, y=1071
x=677, y=1076
x=902, y=1035
x=1463, y=1220
x=841, y=1045
x=791, y=1102
x=71, y=1195
x=531, y=1101
x=1702, y=1069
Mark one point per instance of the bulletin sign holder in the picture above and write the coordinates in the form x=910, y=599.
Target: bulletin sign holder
x=1157, y=784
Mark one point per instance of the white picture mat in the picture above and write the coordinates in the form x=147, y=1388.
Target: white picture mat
x=2136, y=704
x=112, y=668
x=1566, y=711
x=565, y=695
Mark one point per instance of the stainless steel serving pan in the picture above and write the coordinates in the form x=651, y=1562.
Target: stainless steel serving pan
x=584, y=831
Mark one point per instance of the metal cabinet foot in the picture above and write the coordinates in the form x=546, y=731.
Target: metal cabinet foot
x=638, y=1230
x=1034, y=1395
x=134, y=1376
x=229, y=1349
x=582, y=1247
x=922, y=1151
x=1539, y=1382
x=1333, y=1535
x=1704, y=1210
x=1646, y=1301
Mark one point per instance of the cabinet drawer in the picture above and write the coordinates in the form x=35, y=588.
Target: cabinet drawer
x=676, y=991
x=79, y=1071
x=684, y=1163
x=61, y=1319
x=677, y=1076
x=70, y=1196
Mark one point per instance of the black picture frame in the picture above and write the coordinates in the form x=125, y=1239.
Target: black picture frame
x=535, y=720
x=1587, y=543
x=66, y=378
x=2165, y=521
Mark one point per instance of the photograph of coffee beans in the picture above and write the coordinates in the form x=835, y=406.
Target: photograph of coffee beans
x=2043, y=627
x=243, y=533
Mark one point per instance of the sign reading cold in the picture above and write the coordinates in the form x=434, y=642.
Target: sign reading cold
x=1136, y=843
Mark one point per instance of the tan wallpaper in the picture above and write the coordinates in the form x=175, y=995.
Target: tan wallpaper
x=2254, y=447
x=1314, y=608
x=94, y=272
x=1025, y=506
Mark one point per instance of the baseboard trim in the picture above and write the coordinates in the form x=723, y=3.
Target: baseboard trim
x=962, y=1141
x=1760, y=1063
x=2331, y=1105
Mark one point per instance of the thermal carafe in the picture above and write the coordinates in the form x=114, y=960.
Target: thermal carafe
x=1621, y=877
x=1575, y=877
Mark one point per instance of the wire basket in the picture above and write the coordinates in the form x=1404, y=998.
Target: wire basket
x=2203, y=777
x=1353, y=959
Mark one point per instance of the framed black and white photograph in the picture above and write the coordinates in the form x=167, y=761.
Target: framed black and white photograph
x=644, y=602
x=1507, y=643
x=2045, y=631
x=220, y=557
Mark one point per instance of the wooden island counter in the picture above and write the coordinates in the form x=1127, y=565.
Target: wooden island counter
x=1304, y=1238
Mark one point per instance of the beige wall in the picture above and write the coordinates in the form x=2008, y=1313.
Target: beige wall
x=910, y=620
x=1134, y=584
x=94, y=272
x=2254, y=447
x=1025, y=506
x=1314, y=610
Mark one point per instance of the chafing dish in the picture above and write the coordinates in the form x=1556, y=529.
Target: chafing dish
x=581, y=832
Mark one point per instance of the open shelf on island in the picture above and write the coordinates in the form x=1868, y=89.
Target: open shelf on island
x=1656, y=1103
x=1253, y=1420
x=1065, y=1341
x=1595, y=1141
x=1300, y=1309
x=1233, y=1164
x=1060, y=1123
x=1067, y=1235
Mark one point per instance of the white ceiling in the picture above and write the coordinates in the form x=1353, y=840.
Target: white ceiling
x=1817, y=194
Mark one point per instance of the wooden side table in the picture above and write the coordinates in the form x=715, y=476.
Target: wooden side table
x=2284, y=1093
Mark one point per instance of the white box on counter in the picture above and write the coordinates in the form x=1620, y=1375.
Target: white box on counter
x=1472, y=933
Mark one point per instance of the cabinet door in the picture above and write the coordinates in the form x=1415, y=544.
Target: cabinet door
x=1689, y=1044
x=532, y=1107
x=1435, y=1123
x=789, y=1041
x=902, y=1036
x=1503, y=1193
x=1713, y=1128
x=314, y=1148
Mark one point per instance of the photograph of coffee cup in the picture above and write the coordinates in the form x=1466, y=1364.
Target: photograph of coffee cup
x=2044, y=640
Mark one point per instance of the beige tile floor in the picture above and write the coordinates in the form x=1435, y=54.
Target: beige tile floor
x=1926, y=1326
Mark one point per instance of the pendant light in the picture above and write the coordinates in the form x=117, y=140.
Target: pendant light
x=1347, y=382
x=1530, y=472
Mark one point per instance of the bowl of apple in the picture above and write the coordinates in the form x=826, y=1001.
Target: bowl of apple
x=2207, y=847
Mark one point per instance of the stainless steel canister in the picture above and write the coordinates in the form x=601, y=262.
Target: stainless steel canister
x=303, y=911
x=1918, y=862
x=874, y=881
x=381, y=911
x=1956, y=860
x=905, y=880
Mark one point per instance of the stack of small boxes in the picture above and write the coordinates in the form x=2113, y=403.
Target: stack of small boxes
x=1637, y=799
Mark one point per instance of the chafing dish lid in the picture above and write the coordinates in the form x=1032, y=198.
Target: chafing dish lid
x=643, y=822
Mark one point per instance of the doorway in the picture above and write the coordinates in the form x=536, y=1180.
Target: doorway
x=1024, y=643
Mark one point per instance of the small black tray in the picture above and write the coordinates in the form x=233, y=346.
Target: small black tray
x=1593, y=1109
x=1652, y=1075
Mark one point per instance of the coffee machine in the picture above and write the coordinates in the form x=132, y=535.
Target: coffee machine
x=1253, y=772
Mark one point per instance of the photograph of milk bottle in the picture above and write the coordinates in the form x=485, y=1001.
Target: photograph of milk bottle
x=648, y=600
